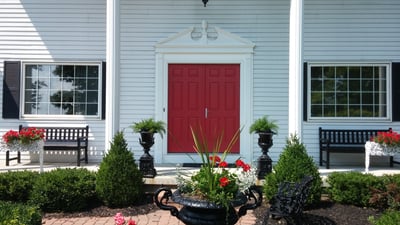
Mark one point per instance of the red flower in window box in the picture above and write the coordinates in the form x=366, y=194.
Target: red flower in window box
x=24, y=136
x=390, y=138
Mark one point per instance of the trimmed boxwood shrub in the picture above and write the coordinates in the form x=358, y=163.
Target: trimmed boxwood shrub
x=119, y=182
x=65, y=190
x=16, y=186
x=294, y=163
x=353, y=187
x=19, y=214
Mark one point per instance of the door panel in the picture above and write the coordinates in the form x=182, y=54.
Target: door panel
x=205, y=95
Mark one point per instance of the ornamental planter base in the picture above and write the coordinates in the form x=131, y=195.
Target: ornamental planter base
x=202, y=212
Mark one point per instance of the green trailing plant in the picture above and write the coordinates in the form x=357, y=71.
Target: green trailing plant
x=16, y=186
x=263, y=124
x=19, y=214
x=65, y=190
x=119, y=182
x=149, y=125
x=353, y=188
x=294, y=163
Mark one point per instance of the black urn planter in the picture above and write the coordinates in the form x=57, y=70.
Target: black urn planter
x=146, y=161
x=264, y=161
x=202, y=212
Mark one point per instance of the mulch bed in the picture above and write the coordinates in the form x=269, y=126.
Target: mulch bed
x=326, y=213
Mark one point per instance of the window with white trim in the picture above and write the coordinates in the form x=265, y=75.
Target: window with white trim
x=340, y=91
x=60, y=89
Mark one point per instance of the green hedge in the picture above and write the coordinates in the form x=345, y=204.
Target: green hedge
x=19, y=214
x=64, y=190
x=16, y=186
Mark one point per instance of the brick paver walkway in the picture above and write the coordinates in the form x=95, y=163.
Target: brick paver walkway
x=159, y=217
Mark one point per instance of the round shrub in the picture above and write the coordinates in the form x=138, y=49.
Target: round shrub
x=119, y=182
x=353, y=187
x=16, y=186
x=19, y=214
x=294, y=163
x=65, y=190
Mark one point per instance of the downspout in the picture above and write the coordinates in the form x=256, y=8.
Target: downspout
x=112, y=77
x=295, y=67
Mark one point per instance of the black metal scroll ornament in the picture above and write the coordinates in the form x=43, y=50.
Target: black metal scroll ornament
x=198, y=212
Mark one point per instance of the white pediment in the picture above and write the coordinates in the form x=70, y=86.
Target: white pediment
x=204, y=39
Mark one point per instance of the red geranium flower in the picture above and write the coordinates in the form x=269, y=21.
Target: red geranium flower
x=223, y=164
x=223, y=181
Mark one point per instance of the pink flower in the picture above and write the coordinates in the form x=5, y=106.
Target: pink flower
x=119, y=219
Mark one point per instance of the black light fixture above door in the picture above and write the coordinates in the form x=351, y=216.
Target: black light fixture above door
x=205, y=2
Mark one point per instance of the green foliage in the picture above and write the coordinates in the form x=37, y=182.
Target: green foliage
x=119, y=182
x=353, y=187
x=389, y=196
x=293, y=164
x=16, y=186
x=64, y=190
x=149, y=125
x=263, y=124
x=19, y=214
x=387, y=218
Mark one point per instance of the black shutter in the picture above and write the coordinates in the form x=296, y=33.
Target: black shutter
x=11, y=92
x=396, y=91
x=305, y=107
x=103, y=91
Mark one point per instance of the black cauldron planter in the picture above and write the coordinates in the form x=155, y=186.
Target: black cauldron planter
x=203, y=212
x=146, y=160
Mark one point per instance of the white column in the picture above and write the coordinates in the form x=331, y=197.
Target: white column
x=112, y=75
x=295, y=67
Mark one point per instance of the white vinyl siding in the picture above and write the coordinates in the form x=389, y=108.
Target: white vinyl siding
x=51, y=31
x=352, y=31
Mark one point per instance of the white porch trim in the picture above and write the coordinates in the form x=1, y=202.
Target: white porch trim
x=295, y=68
x=112, y=75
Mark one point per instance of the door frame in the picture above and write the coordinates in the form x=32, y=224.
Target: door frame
x=161, y=154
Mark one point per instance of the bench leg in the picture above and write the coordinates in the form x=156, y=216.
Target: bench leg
x=321, y=153
x=19, y=157
x=7, y=158
x=86, y=156
x=78, y=163
x=327, y=159
x=391, y=161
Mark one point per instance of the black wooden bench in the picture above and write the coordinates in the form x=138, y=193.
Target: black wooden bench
x=62, y=138
x=344, y=141
x=290, y=200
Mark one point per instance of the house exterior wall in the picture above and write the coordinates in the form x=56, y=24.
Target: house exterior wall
x=144, y=24
x=54, y=30
x=334, y=31
x=349, y=31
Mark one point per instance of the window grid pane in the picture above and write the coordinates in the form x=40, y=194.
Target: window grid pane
x=61, y=89
x=348, y=91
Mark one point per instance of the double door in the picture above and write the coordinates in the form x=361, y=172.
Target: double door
x=205, y=96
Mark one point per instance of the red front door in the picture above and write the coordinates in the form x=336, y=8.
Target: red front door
x=206, y=95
